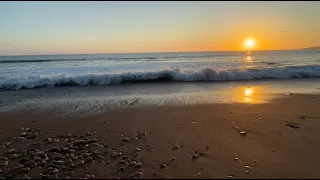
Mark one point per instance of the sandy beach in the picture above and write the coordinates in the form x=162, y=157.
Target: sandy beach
x=279, y=139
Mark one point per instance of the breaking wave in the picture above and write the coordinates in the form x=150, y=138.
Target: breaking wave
x=178, y=75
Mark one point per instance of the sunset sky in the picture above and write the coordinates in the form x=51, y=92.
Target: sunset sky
x=112, y=27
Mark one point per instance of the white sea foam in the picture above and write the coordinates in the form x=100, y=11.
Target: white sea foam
x=168, y=74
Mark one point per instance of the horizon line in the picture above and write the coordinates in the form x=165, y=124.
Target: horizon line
x=149, y=52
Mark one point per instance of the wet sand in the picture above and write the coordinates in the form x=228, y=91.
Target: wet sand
x=200, y=141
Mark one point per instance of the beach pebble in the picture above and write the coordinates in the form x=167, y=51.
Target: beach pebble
x=122, y=162
x=49, y=140
x=195, y=156
x=37, y=143
x=8, y=143
x=39, y=153
x=60, y=162
x=260, y=118
x=11, y=151
x=4, y=163
x=33, y=135
x=69, y=151
x=293, y=125
x=53, y=176
x=137, y=149
x=138, y=165
x=23, y=134
x=80, y=141
x=163, y=165
x=54, y=171
x=207, y=146
x=56, y=156
x=132, y=163
x=13, y=156
x=115, y=154
x=229, y=176
x=93, y=140
x=54, y=149
x=137, y=174
x=22, y=138
x=243, y=133
x=89, y=159
x=236, y=159
x=80, y=162
x=89, y=133
x=31, y=164
x=71, y=165
x=126, y=140
x=175, y=147
x=24, y=169
x=302, y=117
x=23, y=161
x=173, y=159
x=125, y=157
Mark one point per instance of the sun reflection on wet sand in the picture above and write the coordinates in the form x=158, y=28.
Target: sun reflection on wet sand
x=248, y=95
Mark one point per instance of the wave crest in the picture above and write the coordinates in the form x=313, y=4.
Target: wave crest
x=202, y=74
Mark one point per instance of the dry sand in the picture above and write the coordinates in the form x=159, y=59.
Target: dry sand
x=202, y=141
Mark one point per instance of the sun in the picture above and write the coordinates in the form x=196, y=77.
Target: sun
x=249, y=43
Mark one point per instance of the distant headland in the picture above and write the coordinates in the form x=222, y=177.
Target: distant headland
x=313, y=48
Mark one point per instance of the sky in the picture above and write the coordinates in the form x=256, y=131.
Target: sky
x=156, y=26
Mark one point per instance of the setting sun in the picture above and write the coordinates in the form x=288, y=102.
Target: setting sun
x=249, y=43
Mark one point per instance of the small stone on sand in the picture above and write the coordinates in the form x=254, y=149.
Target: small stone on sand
x=293, y=125
x=175, y=147
x=163, y=165
x=243, y=133
x=13, y=156
x=126, y=140
x=54, y=149
x=4, y=163
x=195, y=156
x=302, y=117
x=23, y=134
x=229, y=177
x=138, y=165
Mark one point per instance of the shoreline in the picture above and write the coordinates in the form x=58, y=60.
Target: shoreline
x=198, y=141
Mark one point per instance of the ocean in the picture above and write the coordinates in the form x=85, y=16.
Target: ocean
x=34, y=71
